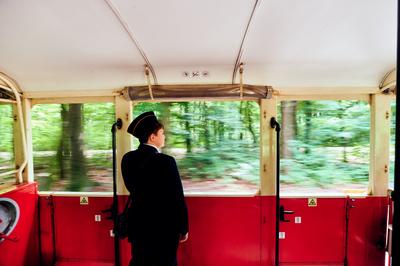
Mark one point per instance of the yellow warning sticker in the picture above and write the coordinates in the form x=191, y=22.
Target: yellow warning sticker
x=84, y=200
x=312, y=202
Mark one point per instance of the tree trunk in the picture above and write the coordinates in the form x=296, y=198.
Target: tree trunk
x=165, y=118
x=249, y=119
x=308, y=125
x=206, y=130
x=79, y=177
x=188, y=137
x=241, y=112
x=63, y=150
x=289, y=126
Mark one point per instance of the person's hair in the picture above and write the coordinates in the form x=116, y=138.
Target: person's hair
x=153, y=130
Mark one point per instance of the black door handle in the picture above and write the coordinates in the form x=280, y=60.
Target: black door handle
x=282, y=213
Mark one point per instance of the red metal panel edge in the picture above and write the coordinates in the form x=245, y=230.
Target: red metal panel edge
x=223, y=231
x=268, y=218
x=46, y=230
x=367, y=231
x=25, y=251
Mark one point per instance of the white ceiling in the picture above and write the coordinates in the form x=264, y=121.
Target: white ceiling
x=81, y=45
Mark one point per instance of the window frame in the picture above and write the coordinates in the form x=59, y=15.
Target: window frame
x=43, y=98
x=268, y=110
x=216, y=193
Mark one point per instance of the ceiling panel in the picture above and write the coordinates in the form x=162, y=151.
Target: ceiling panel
x=64, y=45
x=179, y=35
x=81, y=45
x=321, y=42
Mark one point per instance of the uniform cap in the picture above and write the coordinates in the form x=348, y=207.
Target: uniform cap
x=143, y=124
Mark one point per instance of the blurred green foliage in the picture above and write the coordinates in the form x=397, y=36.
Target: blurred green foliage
x=211, y=141
x=6, y=141
x=335, y=150
x=392, y=143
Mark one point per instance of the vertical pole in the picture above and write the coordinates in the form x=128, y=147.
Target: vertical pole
x=395, y=195
x=115, y=126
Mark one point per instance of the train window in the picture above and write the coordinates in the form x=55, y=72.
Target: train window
x=392, y=141
x=72, y=146
x=325, y=145
x=216, y=144
x=7, y=162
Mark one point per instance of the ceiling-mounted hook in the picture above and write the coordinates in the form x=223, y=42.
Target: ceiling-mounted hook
x=241, y=69
x=147, y=73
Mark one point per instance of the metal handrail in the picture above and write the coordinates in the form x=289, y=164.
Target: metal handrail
x=8, y=173
x=7, y=101
x=12, y=85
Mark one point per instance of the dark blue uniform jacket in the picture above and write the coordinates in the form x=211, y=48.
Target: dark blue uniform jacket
x=158, y=206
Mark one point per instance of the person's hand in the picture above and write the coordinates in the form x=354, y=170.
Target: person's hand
x=183, y=238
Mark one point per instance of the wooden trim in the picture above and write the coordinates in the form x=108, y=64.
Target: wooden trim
x=18, y=145
x=7, y=101
x=286, y=91
x=187, y=92
x=28, y=174
x=178, y=100
x=67, y=100
x=75, y=194
x=267, y=148
x=319, y=97
x=380, y=143
x=70, y=94
x=123, y=110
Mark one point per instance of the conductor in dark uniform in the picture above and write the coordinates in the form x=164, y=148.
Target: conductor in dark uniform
x=158, y=218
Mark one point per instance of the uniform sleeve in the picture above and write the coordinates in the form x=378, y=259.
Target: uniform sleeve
x=126, y=172
x=179, y=198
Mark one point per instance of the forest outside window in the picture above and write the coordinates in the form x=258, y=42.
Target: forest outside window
x=7, y=161
x=72, y=146
x=216, y=144
x=325, y=146
x=392, y=143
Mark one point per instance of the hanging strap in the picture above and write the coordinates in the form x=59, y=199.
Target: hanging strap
x=241, y=80
x=128, y=203
x=147, y=73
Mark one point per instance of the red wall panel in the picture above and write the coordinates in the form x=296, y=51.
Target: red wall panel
x=46, y=230
x=223, y=231
x=367, y=229
x=25, y=251
x=268, y=219
x=77, y=234
x=230, y=231
x=319, y=237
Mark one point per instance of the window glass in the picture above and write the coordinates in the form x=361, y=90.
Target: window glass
x=216, y=144
x=72, y=146
x=325, y=145
x=7, y=162
x=392, y=143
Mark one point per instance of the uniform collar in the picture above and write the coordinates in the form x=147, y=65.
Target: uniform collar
x=155, y=147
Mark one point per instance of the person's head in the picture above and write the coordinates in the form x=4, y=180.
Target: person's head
x=156, y=138
x=148, y=129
